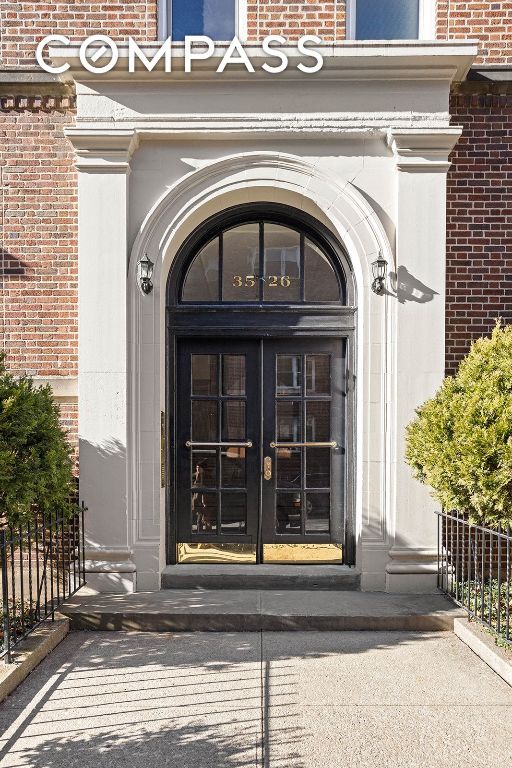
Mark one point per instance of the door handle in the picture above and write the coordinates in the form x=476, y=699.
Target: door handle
x=192, y=444
x=330, y=444
x=267, y=468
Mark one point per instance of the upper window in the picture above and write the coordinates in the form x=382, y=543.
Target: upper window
x=262, y=262
x=391, y=19
x=218, y=19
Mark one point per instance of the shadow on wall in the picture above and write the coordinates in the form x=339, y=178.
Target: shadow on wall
x=11, y=266
x=406, y=287
x=103, y=475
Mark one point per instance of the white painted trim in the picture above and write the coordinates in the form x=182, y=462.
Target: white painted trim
x=165, y=15
x=163, y=19
x=427, y=20
x=241, y=20
x=350, y=19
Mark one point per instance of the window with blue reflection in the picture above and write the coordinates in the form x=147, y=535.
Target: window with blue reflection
x=214, y=18
x=387, y=19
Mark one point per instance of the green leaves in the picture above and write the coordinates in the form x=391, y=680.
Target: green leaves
x=35, y=461
x=460, y=443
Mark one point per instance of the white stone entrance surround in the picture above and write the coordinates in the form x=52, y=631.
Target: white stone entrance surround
x=363, y=146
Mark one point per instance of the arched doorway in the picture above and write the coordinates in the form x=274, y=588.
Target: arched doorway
x=260, y=381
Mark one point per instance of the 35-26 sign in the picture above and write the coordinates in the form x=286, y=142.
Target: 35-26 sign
x=272, y=281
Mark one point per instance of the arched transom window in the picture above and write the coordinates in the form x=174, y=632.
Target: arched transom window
x=263, y=262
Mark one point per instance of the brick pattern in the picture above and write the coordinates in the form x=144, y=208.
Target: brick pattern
x=38, y=249
x=25, y=23
x=294, y=19
x=479, y=221
x=488, y=21
x=38, y=245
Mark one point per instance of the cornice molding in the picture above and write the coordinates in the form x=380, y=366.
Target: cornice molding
x=350, y=60
x=108, y=151
x=423, y=149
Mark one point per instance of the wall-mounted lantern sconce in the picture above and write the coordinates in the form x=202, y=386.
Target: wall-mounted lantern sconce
x=145, y=273
x=379, y=270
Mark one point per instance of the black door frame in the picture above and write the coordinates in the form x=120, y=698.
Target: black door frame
x=258, y=321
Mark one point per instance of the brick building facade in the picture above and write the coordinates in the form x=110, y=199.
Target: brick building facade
x=38, y=179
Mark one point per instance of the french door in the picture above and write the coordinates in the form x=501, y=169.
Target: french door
x=261, y=450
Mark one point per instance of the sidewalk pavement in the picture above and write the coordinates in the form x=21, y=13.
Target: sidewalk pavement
x=277, y=700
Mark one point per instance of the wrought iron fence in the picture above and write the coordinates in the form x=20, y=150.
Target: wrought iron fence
x=41, y=565
x=474, y=568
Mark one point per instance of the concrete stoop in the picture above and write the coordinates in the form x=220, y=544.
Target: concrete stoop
x=264, y=577
x=187, y=610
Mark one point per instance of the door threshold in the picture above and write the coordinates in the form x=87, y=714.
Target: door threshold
x=264, y=576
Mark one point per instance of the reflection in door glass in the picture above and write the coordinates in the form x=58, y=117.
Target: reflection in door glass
x=318, y=467
x=318, y=375
x=233, y=513
x=233, y=374
x=202, y=280
x=318, y=421
x=204, y=512
x=233, y=420
x=281, y=264
x=288, y=467
x=233, y=467
x=320, y=282
x=288, y=375
x=204, y=374
x=204, y=421
x=288, y=421
x=204, y=469
x=240, y=263
x=288, y=513
x=317, y=512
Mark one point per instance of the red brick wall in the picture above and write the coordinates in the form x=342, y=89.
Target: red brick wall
x=38, y=186
x=485, y=20
x=479, y=221
x=24, y=24
x=39, y=230
x=38, y=226
x=311, y=17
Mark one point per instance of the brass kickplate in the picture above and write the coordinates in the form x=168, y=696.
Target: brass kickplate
x=216, y=553
x=303, y=553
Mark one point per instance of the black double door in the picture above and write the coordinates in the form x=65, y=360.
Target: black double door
x=261, y=450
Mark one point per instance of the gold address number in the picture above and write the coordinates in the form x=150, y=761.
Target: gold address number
x=273, y=281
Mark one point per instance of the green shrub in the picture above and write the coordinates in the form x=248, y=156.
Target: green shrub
x=36, y=472
x=460, y=443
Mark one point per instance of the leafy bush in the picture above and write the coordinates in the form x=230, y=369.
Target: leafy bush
x=460, y=443
x=36, y=472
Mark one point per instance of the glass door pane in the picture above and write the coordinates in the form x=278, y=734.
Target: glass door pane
x=218, y=449
x=304, y=402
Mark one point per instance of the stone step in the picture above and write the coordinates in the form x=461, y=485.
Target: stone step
x=265, y=576
x=225, y=610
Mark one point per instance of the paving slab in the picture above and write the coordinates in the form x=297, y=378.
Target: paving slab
x=260, y=610
x=139, y=700
x=259, y=700
x=407, y=668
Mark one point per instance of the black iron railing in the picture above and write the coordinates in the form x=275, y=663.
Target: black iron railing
x=41, y=565
x=474, y=568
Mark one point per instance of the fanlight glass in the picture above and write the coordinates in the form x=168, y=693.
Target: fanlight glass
x=262, y=262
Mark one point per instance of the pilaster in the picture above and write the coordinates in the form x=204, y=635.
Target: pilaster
x=418, y=338
x=103, y=164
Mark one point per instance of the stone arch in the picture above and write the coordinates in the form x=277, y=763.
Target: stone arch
x=249, y=177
